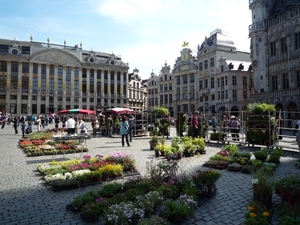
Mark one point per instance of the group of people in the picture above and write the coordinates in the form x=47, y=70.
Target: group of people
x=106, y=125
x=233, y=124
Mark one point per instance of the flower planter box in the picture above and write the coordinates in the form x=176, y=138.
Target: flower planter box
x=89, y=219
x=72, y=208
x=62, y=188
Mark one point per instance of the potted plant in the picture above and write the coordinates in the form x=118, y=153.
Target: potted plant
x=91, y=211
x=261, y=154
x=177, y=210
x=122, y=213
x=288, y=189
x=275, y=155
x=258, y=214
x=205, y=180
x=234, y=166
x=153, y=142
x=262, y=187
x=200, y=143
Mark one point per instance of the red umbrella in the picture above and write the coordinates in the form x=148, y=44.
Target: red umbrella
x=82, y=111
x=64, y=111
x=52, y=114
x=118, y=111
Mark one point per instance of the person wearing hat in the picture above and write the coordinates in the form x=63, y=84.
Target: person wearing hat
x=195, y=124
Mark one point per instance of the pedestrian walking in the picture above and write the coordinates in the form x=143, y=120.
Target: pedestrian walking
x=38, y=123
x=234, y=128
x=95, y=126
x=81, y=126
x=3, y=120
x=124, y=126
x=109, y=126
x=214, y=123
x=15, y=124
x=131, y=127
x=23, y=128
x=56, y=121
x=195, y=123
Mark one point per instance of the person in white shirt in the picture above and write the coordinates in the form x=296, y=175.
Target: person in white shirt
x=71, y=125
x=298, y=134
x=81, y=125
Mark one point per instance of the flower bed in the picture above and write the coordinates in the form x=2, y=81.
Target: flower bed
x=41, y=143
x=161, y=197
x=90, y=170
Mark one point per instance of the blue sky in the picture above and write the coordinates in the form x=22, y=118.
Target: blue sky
x=145, y=33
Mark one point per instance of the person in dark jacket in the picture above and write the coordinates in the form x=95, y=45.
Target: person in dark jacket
x=124, y=127
x=15, y=124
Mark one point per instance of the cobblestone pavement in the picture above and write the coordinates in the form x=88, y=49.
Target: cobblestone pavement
x=25, y=199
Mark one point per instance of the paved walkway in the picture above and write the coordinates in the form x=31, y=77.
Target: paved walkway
x=25, y=199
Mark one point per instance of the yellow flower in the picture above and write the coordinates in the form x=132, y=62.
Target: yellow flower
x=252, y=214
x=266, y=214
x=250, y=208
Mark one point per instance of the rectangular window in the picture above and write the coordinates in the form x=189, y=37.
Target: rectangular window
x=192, y=77
x=51, y=84
x=245, y=81
x=273, y=48
x=166, y=99
x=161, y=88
x=68, y=73
x=200, y=84
x=184, y=93
x=43, y=69
x=43, y=83
x=178, y=93
x=184, y=78
x=92, y=75
x=285, y=82
x=60, y=85
x=298, y=78
x=213, y=97
x=76, y=86
x=245, y=94
x=178, y=80
x=234, y=80
x=165, y=87
x=59, y=70
x=99, y=75
x=206, y=83
x=34, y=83
x=35, y=68
x=14, y=67
x=25, y=67
x=170, y=87
x=3, y=66
x=212, y=62
x=51, y=69
x=200, y=66
x=205, y=64
x=25, y=83
x=212, y=82
x=76, y=72
x=274, y=83
x=297, y=40
x=234, y=94
x=170, y=98
x=83, y=72
x=283, y=45
x=68, y=86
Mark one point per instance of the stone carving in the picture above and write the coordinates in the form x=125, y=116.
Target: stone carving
x=56, y=57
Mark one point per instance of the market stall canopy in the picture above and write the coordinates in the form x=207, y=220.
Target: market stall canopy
x=77, y=111
x=118, y=111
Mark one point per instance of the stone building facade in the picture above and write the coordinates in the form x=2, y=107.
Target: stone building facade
x=275, y=54
x=41, y=78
